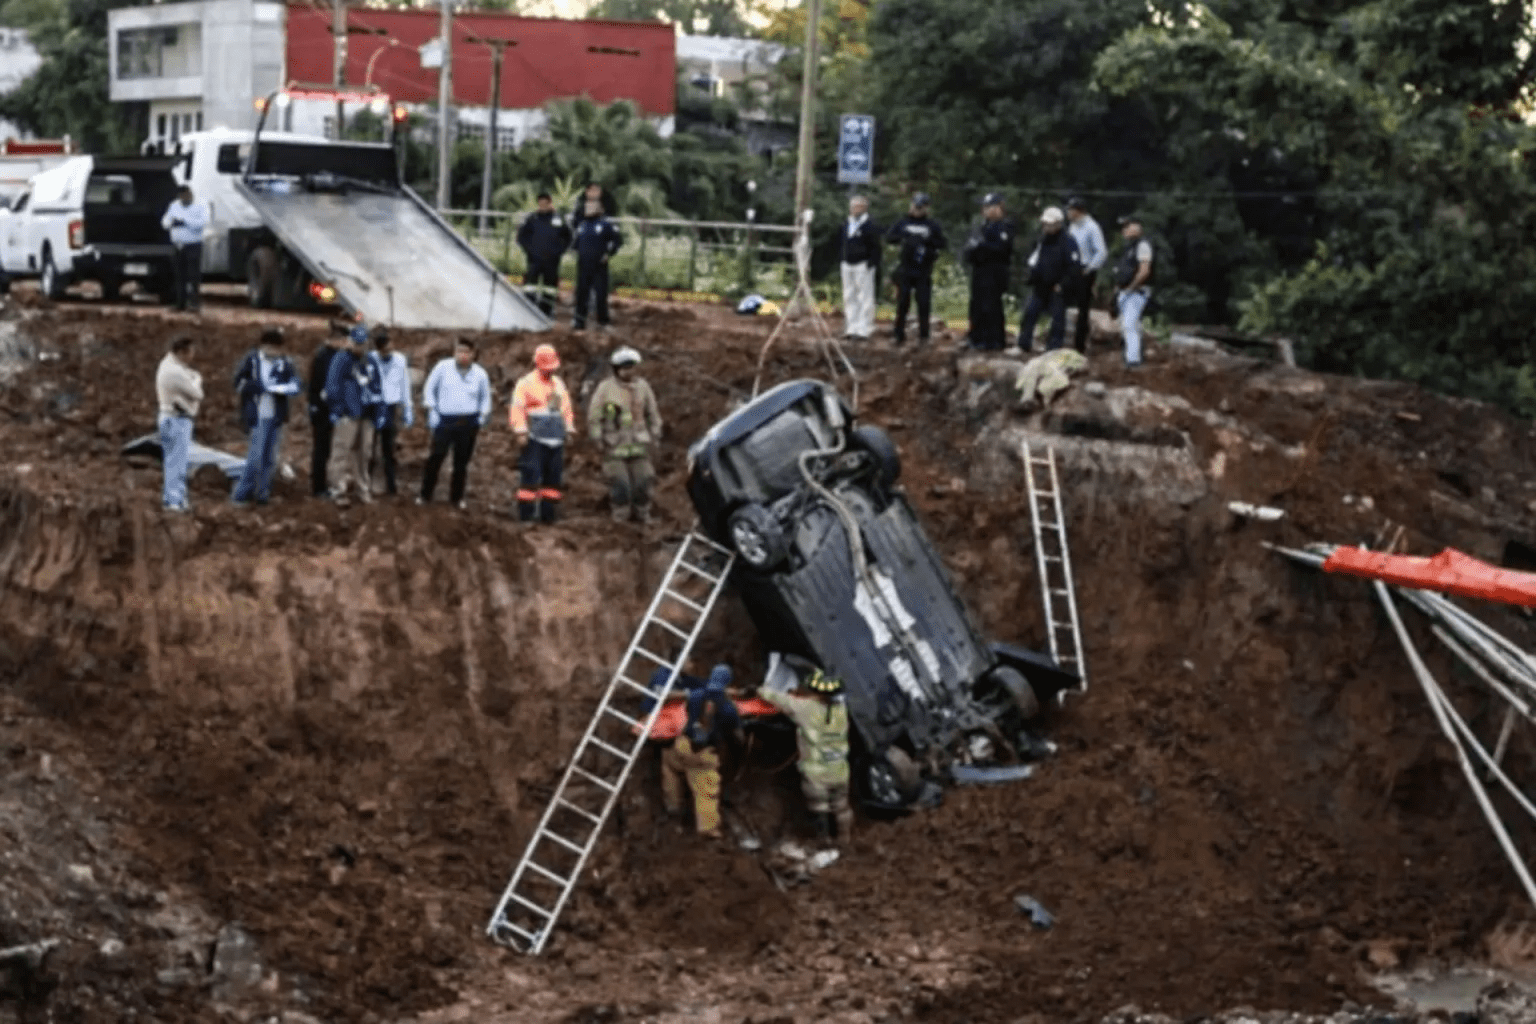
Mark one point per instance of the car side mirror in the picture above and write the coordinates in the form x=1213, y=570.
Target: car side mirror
x=833, y=409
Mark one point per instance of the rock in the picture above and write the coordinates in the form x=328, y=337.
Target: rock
x=236, y=960
x=81, y=873
x=112, y=947
x=1505, y=1002
x=1095, y=389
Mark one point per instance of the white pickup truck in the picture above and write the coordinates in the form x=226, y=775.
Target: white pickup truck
x=93, y=219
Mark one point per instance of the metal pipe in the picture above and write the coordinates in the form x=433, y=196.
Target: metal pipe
x=444, y=100
x=812, y=55
x=1465, y=656
x=498, y=51
x=1427, y=683
x=339, y=58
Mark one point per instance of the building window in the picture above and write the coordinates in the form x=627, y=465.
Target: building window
x=199, y=120
x=186, y=123
x=160, y=127
x=172, y=52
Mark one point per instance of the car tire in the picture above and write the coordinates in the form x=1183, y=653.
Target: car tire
x=757, y=537
x=111, y=286
x=51, y=280
x=261, y=276
x=1013, y=683
x=893, y=778
x=879, y=444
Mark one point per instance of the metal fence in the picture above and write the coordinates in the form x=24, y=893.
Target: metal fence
x=675, y=257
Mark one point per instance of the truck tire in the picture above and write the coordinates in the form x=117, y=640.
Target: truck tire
x=261, y=276
x=51, y=280
x=1013, y=683
x=757, y=537
x=879, y=444
x=111, y=285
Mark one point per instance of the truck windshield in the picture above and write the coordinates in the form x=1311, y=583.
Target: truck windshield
x=109, y=190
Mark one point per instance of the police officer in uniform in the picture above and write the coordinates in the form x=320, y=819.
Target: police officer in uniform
x=989, y=251
x=544, y=236
x=921, y=239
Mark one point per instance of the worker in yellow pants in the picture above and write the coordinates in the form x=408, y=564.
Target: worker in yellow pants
x=693, y=759
x=699, y=770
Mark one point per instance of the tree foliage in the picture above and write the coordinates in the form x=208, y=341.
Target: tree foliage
x=707, y=17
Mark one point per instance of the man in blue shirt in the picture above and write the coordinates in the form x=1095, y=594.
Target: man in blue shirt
x=264, y=381
x=349, y=386
x=1092, y=251
x=457, y=397
x=186, y=221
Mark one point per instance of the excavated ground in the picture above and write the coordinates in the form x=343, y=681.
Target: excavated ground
x=280, y=762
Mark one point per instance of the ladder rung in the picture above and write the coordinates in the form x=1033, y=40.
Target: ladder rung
x=504, y=923
x=1051, y=558
x=658, y=659
x=674, y=595
x=623, y=755
x=1061, y=591
x=563, y=802
x=609, y=709
x=579, y=770
x=636, y=686
x=698, y=572
x=557, y=879
x=1040, y=493
x=531, y=906
x=547, y=834
x=664, y=624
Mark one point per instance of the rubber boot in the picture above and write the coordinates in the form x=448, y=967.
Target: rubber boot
x=526, y=511
x=822, y=825
x=643, y=513
x=549, y=510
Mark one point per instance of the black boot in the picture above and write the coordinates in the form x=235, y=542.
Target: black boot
x=526, y=511
x=823, y=825
x=549, y=511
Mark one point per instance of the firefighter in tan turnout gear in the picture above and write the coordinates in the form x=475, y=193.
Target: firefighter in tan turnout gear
x=821, y=727
x=625, y=423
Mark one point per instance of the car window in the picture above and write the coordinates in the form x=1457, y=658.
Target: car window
x=109, y=190
x=232, y=158
x=21, y=202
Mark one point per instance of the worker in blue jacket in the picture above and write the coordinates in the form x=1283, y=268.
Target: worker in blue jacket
x=264, y=380
x=693, y=759
x=350, y=381
x=597, y=239
x=544, y=236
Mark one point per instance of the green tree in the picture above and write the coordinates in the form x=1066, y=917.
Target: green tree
x=707, y=17
x=67, y=94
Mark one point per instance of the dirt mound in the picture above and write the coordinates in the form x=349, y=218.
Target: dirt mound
x=337, y=728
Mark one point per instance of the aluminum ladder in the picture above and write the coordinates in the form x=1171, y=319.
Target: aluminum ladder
x=1054, y=561
x=595, y=775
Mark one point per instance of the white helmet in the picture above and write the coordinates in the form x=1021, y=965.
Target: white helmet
x=625, y=356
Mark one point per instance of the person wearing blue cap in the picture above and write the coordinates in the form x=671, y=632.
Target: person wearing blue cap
x=989, y=251
x=921, y=239
x=693, y=759
x=350, y=386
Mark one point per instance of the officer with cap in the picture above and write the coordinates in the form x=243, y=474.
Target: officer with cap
x=921, y=239
x=1054, y=267
x=625, y=423
x=989, y=251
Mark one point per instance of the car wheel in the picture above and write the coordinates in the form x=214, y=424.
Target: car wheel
x=51, y=281
x=879, y=444
x=893, y=778
x=757, y=537
x=111, y=286
x=261, y=276
x=1013, y=683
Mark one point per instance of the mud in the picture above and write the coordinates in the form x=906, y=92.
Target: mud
x=335, y=728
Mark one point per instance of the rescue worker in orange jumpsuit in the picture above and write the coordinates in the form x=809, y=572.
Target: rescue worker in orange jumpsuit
x=542, y=418
x=693, y=759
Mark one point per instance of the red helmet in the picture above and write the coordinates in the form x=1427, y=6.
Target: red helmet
x=546, y=358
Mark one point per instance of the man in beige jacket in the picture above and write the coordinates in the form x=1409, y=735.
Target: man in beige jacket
x=180, y=391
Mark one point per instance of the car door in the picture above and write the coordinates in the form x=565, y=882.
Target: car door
x=13, y=235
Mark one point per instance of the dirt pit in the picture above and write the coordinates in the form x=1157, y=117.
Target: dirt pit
x=279, y=763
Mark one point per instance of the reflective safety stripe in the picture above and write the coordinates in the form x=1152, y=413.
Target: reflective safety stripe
x=523, y=495
x=549, y=493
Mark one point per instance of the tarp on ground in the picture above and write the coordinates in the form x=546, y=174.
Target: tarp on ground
x=1450, y=572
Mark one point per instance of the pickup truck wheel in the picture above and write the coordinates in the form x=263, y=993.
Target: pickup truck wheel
x=261, y=276
x=52, y=281
x=879, y=444
x=1013, y=683
x=757, y=537
x=111, y=286
x=893, y=778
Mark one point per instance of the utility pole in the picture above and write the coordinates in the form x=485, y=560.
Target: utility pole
x=498, y=51
x=339, y=60
x=444, y=99
x=803, y=180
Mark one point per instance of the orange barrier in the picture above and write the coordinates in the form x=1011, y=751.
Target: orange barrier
x=674, y=715
x=1449, y=572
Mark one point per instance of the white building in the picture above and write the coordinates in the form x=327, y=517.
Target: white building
x=198, y=65
x=715, y=63
x=18, y=59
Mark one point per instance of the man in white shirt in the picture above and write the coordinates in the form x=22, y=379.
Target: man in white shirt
x=1092, y=251
x=187, y=221
x=395, y=373
x=861, y=256
x=457, y=397
x=179, y=389
x=1133, y=275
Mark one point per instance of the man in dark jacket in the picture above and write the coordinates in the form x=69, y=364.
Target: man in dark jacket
x=594, y=193
x=1054, y=268
x=861, y=260
x=264, y=380
x=544, y=237
x=921, y=240
x=319, y=412
x=989, y=251
x=350, y=385
x=597, y=239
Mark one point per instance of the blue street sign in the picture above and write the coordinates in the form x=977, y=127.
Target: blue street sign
x=856, y=149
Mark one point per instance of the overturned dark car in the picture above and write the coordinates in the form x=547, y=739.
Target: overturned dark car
x=835, y=569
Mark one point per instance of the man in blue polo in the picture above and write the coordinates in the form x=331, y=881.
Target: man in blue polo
x=457, y=397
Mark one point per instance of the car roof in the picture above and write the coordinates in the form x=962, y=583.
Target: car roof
x=751, y=416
